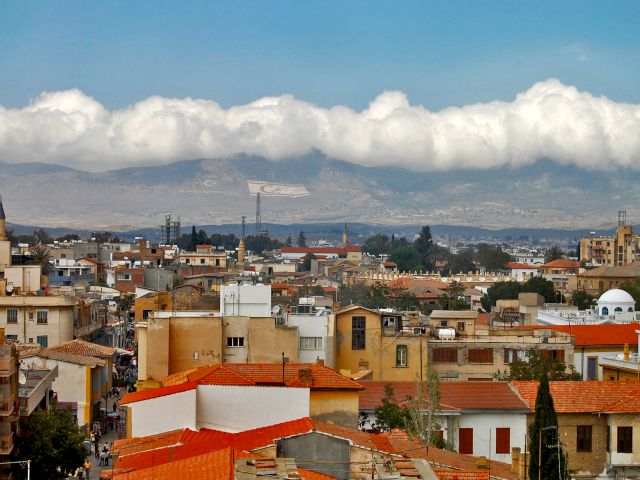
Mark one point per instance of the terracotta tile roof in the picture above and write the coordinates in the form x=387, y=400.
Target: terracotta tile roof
x=517, y=265
x=80, y=347
x=445, y=474
x=65, y=357
x=156, y=392
x=129, y=446
x=322, y=378
x=586, y=397
x=606, y=334
x=212, y=465
x=562, y=263
x=311, y=475
x=623, y=271
x=453, y=395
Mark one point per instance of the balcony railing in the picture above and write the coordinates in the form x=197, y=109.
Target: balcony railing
x=7, y=404
x=6, y=443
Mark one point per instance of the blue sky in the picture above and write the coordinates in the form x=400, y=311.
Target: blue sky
x=329, y=52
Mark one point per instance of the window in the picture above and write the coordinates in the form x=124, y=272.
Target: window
x=592, y=363
x=202, y=261
x=43, y=341
x=557, y=354
x=43, y=317
x=608, y=440
x=445, y=355
x=235, y=341
x=466, y=440
x=11, y=337
x=625, y=439
x=461, y=326
x=503, y=440
x=481, y=355
x=12, y=315
x=605, y=311
x=401, y=355
x=358, y=326
x=583, y=438
x=310, y=343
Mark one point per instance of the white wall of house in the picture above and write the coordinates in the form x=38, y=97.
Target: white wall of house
x=163, y=414
x=70, y=384
x=310, y=326
x=245, y=300
x=234, y=409
x=484, y=426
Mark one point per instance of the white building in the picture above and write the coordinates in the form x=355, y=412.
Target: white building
x=245, y=300
x=313, y=331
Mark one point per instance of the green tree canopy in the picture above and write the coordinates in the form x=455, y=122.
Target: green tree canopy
x=553, y=253
x=306, y=261
x=633, y=289
x=53, y=443
x=544, y=438
x=582, y=300
x=535, y=365
x=424, y=246
x=492, y=257
x=461, y=262
x=499, y=291
x=41, y=255
x=407, y=258
x=301, y=241
x=376, y=245
x=542, y=286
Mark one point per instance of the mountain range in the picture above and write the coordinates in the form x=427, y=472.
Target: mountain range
x=216, y=191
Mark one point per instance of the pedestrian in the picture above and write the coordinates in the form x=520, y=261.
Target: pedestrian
x=115, y=407
x=87, y=469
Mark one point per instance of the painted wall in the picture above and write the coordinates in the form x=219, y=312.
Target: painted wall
x=163, y=414
x=337, y=406
x=620, y=459
x=60, y=314
x=484, y=432
x=267, y=341
x=310, y=326
x=379, y=354
x=234, y=409
x=245, y=300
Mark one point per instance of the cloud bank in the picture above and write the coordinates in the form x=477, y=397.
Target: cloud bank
x=549, y=120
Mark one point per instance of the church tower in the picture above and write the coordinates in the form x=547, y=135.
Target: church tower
x=5, y=244
x=345, y=236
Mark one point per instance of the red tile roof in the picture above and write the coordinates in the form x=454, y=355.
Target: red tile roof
x=322, y=378
x=334, y=250
x=156, y=392
x=80, y=347
x=607, y=334
x=444, y=474
x=517, y=265
x=586, y=397
x=453, y=395
x=562, y=263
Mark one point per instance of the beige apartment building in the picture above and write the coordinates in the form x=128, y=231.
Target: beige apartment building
x=611, y=251
x=171, y=342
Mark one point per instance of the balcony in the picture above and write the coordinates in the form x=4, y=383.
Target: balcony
x=7, y=364
x=6, y=443
x=7, y=404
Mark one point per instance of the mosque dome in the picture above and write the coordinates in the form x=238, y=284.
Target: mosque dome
x=615, y=301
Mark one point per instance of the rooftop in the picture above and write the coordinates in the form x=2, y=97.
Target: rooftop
x=80, y=347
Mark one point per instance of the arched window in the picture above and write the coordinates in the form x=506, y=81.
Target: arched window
x=605, y=310
x=630, y=309
x=618, y=309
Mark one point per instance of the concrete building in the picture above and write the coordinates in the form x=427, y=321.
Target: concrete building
x=379, y=344
x=611, y=251
x=9, y=365
x=245, y=300
x=312, y=324
x=597, y=281
x=206, y=256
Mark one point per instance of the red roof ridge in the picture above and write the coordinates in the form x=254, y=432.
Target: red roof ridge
x=157, y=392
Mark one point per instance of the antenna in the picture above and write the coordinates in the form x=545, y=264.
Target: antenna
x=622, y=218
x=258, y=215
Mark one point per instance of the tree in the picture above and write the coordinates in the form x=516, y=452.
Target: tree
x=423, y=411
x=553, y=253
x=544, y=438
x=424, y=246
x=376, y=245
x=124, y=303
x=534, y=365
x=582, y=300
x=407, y=258
x=461, y=262
x=542, y=286
x=389, y=414
x=202, y=238
x=41, y=236
x=41, y=255
x=499, y=291
x=194, y=239
x=454, y=300
x=289, y=241
x=306, y=261
x=102, y=237
x=301, y=241
x=492, y=257
x=68, y=238
x=633, y=289
x=53, y=443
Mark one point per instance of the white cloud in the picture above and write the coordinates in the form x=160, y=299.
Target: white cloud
x=550, y=120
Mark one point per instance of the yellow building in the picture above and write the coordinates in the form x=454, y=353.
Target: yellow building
x=173, y=341
x=380, y=345
x=204, y=256
x=616, y=250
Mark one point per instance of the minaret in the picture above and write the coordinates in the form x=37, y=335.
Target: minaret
x=3, y=226
x=345, y=236
x=241, y=251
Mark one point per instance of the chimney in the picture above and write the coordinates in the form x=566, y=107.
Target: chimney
x=320, y=361
x=305, y=376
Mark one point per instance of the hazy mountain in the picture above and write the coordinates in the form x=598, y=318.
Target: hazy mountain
x=206, y=192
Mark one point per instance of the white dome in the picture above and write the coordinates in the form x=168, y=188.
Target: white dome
x=615, y=295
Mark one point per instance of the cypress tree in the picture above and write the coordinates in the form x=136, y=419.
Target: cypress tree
x=545, y=425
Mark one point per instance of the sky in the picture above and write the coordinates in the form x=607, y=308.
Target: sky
x=383, y=82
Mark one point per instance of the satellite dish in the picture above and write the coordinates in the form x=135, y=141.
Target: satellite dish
x=9, y=289
x=275, y=310
x=22, y=378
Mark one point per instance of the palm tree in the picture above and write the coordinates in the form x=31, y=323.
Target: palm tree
x=41, y=255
